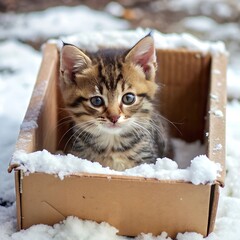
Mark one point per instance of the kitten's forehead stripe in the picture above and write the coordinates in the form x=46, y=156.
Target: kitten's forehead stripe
x=100, y=71
x=123, y=86
x=109, y=65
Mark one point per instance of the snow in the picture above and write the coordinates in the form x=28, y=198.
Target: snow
x=93, y=40
x=18, y=67
x=200, y=171
x=71, y=228
x=114, y=8
x=25, y=26
x=200, y=23
x=233, y=86
x=218, y=113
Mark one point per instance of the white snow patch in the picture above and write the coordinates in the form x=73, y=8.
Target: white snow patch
x=233, y=81
x=200, y=23
x=200, y=171
x=94, y=40
x=56, y=21
x=214, y=96
x=218, y=113
x=216, y=71
x=115, y=9
x=218, y=147
x=71, y=228
x=223, y=10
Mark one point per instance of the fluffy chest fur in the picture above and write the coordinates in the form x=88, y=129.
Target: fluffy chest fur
x=117, y=151
x=109, y=95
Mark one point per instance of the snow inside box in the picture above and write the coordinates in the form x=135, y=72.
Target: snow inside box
x=193, y=94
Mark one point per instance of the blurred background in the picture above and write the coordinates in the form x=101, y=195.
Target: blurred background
x=211, y=20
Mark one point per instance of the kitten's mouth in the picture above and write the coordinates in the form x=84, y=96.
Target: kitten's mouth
x=113, y=125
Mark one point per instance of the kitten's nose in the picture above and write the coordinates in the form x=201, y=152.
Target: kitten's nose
x=114, y=118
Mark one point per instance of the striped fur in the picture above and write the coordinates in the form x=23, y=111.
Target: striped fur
x=114, y=134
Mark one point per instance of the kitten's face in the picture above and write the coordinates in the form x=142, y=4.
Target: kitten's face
x=110, y=91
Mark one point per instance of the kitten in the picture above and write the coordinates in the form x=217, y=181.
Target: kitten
x=109, y=95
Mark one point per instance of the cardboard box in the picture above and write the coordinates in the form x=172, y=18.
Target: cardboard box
x=191, y=81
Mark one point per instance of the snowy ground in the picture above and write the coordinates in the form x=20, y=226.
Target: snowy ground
x=18, y=68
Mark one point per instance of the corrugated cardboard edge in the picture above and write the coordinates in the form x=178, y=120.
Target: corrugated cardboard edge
x=217, y=105
x=215, y=191
x=18, y=199
x=217, y=129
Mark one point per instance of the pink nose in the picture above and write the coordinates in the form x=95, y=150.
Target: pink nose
x=114, y=118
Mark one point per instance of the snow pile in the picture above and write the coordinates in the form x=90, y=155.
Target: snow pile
x=94, y=40
x=201, y=170
x=228, y=218
x=56, y=21
x=71, y=228
x=77, y=229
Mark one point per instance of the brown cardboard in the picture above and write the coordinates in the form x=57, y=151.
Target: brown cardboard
x=131, y=204
x=102, y=199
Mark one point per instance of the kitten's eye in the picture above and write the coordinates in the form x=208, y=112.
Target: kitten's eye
x=96, y=101
x=128, y=98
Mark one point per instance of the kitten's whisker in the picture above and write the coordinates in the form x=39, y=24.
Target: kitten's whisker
x=153, y=126
x=145, y=130
x=83, y=136
x=65, y=135
x=79, y=125
x=49, y=133
x=60, y=124
x=172, y=123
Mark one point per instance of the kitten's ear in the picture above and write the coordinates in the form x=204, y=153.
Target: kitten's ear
x=143, y=54
x=72, y=60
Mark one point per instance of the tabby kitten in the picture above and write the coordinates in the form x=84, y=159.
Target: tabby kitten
x=109, y=95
